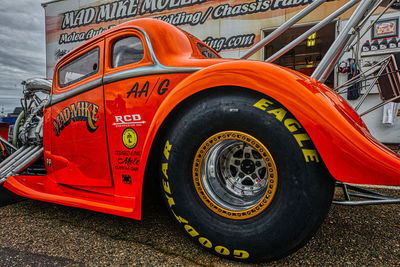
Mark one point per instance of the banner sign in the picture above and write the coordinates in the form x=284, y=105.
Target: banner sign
x=227, y=26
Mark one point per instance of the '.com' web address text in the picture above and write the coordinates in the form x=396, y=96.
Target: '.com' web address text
x=237, y=41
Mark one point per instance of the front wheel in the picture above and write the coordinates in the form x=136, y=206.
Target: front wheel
x=242, y=177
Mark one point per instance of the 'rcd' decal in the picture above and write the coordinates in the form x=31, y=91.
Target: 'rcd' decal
x=128, y=120
x=81, y=111
x=139, y=91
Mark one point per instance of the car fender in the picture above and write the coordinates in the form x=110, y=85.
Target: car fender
x=346, y=147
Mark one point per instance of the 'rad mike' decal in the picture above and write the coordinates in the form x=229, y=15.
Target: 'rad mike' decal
x=80, y=111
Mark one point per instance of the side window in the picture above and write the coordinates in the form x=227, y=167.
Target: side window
x=207, y=52
x=126, y=51
x=80, y=68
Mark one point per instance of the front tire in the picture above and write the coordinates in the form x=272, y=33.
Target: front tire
x=243, y=178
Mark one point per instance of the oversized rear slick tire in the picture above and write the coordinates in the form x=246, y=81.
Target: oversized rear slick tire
x=242, y=177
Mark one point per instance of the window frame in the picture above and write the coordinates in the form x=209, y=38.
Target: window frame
x=112, y=38
x=90, y=74
x=198, y=44
x=119, y=38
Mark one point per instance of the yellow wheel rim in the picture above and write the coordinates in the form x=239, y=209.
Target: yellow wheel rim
x=235, y=175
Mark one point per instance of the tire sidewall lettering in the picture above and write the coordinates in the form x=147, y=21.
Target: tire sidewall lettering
x=221, y=250
x=205, y=242
x=301, y=177
x=292, y=125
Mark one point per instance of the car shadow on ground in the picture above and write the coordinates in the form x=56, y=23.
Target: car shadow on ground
x=350, y=235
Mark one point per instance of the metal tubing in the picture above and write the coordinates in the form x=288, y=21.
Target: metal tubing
x=34, y=156
x=345, y=37
x=12, y=157
x=346, y=192
x=361, y=190
x=23, y=164
x=371, y=86
x=370, y=14
x=379, y=105
x=23, y=158
x=316, y=27
x=371, y=197
x=346, y=84
x=366, y=202
x=17, y=159
x=7, y=143
x=368, y=196
x=284, y=27
x=358, y=80
x=363, y=80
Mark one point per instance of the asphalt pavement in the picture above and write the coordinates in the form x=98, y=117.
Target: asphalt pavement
x=35, y=233
x=7, y=197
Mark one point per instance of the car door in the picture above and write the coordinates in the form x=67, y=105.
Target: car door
x=78, y=142
x=128, y=110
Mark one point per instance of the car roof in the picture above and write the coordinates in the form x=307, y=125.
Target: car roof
x=171, y=45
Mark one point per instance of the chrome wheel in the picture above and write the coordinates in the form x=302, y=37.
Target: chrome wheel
x=235, y=175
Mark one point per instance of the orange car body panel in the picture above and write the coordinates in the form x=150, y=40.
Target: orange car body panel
x=351, y=154
x=93, y=166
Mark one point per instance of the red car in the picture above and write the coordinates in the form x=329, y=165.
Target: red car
x=247, y=152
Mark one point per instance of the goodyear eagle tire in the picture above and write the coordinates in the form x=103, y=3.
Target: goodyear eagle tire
x=242, y=177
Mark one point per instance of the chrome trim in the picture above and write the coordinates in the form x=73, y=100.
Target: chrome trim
x=342, y=42
x=145, y=71
x=156, y=69
x=150, y=47
x=54, y=99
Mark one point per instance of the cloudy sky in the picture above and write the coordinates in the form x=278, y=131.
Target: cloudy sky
x=22, y=48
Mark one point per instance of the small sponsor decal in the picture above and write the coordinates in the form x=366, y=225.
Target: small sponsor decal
x=128, y=163
x=80, y=111
x=128, y=120
x=126, y=179
x=128, y=160
x=129, y=138
x=128, y=153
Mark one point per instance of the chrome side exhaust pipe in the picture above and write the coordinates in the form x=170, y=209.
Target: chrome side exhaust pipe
x=19, y=161
x=22, y=165
x=12, y=156
x=15, y=158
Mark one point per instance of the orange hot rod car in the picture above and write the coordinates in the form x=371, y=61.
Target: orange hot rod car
x=247, y=152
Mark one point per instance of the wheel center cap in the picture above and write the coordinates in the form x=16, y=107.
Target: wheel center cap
x=247, y=166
